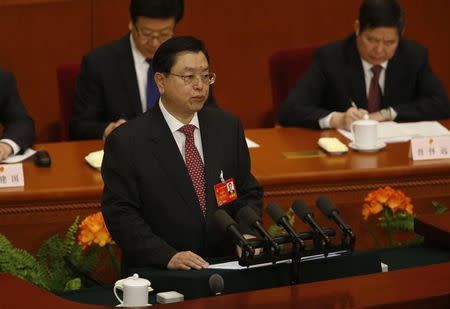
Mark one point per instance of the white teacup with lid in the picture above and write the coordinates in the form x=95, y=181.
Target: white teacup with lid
x=365, y=135
x=135, y=291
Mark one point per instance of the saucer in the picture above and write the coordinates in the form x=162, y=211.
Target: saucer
x=378, y=146
x=121, y=305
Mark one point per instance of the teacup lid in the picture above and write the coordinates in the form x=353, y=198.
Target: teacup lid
x=365, y=121
x=136, y=281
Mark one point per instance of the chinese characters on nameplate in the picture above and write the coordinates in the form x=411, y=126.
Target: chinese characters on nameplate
x=429, y=148
x=11, y=175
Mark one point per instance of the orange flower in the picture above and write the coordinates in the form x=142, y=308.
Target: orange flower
x=93, y=230
x=395, y=200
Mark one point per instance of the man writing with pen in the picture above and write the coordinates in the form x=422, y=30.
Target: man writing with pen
x=375, y=71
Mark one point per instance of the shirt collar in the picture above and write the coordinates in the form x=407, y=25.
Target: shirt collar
x=137, y=55
x=173, y=123
x=367, y=66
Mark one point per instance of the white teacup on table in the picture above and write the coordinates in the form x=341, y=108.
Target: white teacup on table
x=365, y=135
x=135, y=291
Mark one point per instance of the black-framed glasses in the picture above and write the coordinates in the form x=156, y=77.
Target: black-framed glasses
x=189, y=79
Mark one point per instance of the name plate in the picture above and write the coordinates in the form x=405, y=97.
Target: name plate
x=430, y=148
x=11, y=175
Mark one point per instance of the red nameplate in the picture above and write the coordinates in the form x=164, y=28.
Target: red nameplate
x=225, y=192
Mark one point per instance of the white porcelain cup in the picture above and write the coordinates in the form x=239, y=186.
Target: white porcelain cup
x=365, y=133
x=135, y=291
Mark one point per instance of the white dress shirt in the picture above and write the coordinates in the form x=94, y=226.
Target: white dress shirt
x=141, y=66
x=174, y=125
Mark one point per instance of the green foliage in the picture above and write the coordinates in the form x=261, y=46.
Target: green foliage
x=21, y=264
x=439, y=207
x=57, y=265
x=400, y=221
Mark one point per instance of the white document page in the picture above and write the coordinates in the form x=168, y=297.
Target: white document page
x=251, y=144
x=393, y=132
x=235, y=264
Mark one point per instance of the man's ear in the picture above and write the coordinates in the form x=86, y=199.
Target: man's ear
x=357, y=27
x=130, y=25
x=160, y=80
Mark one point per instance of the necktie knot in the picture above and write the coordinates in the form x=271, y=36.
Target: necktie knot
x=376, y=70
x=187, y=130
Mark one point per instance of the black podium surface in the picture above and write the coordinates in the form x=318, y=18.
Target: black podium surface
x=194, y=284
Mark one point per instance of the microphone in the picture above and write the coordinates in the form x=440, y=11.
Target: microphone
x=216, y=284
x=279, y=217
x=249, y=217
x=330, y=211
x=227, y=225
x=303, y=212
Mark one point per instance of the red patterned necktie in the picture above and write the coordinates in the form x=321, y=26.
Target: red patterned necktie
x=194, y=165
x=374, y=100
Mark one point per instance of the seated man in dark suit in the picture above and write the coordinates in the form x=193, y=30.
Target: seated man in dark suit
x=114, y=84
x=375, y=71
x=160, y=169
x=18, y=127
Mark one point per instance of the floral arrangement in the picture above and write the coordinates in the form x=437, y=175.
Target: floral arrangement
x=394, y=210
x=62, y=263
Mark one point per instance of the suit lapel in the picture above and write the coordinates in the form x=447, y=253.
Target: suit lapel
x=168, y=155
x=392, y=77
x=212, y=151
x=355, y=76
x=128, y=73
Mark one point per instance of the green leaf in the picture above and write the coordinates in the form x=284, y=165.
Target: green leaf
x=74, y=284
x=439, y=207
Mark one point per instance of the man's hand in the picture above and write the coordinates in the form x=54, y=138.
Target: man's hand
x=377, y=116
x=112, y=126
x=239, y=249
x=5, y=151
x=186, y=260
x=344, y=120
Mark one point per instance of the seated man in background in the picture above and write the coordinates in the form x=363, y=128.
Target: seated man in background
x=375, y=71
x=116, y=80
x=18, y=127
x=160, y=168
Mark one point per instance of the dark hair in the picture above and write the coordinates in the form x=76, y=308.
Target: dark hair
x=157, y=9
x=381, y=13
x=166, y=54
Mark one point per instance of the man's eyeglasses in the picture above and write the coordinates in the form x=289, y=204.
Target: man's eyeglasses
x=154, y=35
x=205, y=78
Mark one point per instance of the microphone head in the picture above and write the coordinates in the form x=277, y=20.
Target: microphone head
x=275, y=212
x=248, y=216
x=216, y=284
x=326, y=206
x=301, y=210
x=223, y=220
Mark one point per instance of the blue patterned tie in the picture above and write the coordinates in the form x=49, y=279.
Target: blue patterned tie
x=152, y=89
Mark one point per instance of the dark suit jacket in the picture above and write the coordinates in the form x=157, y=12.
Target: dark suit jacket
x=107, y=90
x=18, y=126
x=336, y=77
x=149, y=203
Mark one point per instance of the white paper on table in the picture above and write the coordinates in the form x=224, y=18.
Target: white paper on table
x=251, y=144
x=234, y=265
x=19, y=158
x=393, y=132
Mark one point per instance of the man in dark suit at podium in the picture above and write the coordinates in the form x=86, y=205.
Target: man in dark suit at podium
x=114, y=84
x=375, y=71
x=18, y=127
x=162, y=170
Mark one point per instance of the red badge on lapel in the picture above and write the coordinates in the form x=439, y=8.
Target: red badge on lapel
x=225, y=192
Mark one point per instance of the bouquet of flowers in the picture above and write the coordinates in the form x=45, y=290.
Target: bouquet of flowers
x=393, y=211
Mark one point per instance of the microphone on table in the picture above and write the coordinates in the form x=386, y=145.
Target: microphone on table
x=328, y=208
x=303, y=212
x=227, y=225
x=216, y=284
x=280, y=218
x=249, y=217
